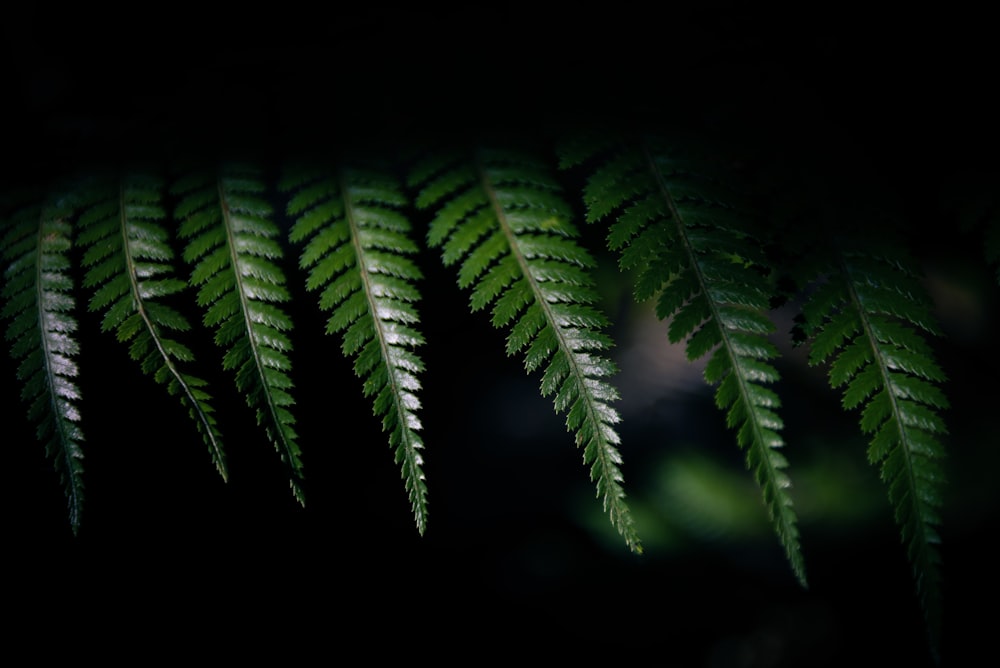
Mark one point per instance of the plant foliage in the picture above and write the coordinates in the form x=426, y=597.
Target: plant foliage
x=357, y=248
x=39, y=292
x=686, y=239
x=217, y=242
x=866, y=317
x=502, y=216
x=129, y=268
x=232, y=245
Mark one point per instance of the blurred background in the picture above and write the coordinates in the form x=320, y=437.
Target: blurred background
x=519, y=559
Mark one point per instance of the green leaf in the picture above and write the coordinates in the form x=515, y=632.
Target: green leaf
x=233, y=247
x=357, y=248
x=867, y=326
x=676, y=230
x=126, y=246
x=39, y=303
x=503, y=218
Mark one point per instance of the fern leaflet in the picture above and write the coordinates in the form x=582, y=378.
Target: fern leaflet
x=684, y=238
x=864, y=318
x=233, y=247
x=357, y=248
x=129, y=257
x=39, y=301
x=502, y=217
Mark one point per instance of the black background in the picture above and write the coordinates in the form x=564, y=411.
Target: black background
x=171, y=561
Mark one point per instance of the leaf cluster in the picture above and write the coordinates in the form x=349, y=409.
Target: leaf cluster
x=223, y=247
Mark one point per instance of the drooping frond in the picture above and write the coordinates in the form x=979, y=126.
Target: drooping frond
x=234, y=248
x=357, y=253
x=686, y=242
x=39, y=302
x=129, y=268
x=867, y=317
x=501, y=216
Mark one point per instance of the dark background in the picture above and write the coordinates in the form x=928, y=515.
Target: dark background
x=518, y=560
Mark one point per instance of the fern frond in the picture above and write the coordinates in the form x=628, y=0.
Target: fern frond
x=866, y=318
x=357, y=254
x=234, y=250
x=502, y=217
x=688, y=246
x=39, y=302
x=129, y=269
